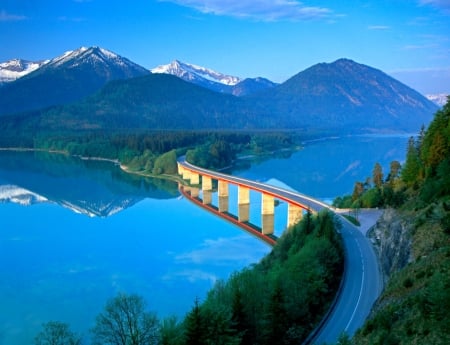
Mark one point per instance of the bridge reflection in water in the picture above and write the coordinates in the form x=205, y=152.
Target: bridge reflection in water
x=192, y=193
x=203, y=183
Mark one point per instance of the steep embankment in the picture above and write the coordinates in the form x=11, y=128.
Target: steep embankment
x=414, y=246
x=391, y=237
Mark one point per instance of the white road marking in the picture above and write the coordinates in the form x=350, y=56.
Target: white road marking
x=361, y=289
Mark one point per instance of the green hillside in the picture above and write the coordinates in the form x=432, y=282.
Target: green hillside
x=154, y=101
x=414, y=308
x=327, y=99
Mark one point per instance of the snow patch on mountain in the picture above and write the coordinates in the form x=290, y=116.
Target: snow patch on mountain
x=17, y=68
x=76, y=57
x=192, y=72
x=67, y=56
x=440, y=98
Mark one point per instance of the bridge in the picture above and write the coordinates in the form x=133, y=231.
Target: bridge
x=361, y=283
x=200, y=178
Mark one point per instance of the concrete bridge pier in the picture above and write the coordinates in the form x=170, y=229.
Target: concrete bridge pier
x=206, y=183
x=243, y=204
x=192, y=191
x=267, y=214
x=195, y=192
x=207, y=190
x=195, y=178
x=295, y=214
x=223, y=195
x=186, y=174
x=207, y=197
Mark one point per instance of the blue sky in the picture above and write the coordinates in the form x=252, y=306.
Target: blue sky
x=276, y=39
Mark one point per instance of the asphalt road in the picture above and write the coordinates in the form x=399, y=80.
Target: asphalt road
x=361, y=287
x=362, y=282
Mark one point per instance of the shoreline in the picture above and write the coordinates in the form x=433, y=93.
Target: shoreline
x=116, y=161
x=123, y=167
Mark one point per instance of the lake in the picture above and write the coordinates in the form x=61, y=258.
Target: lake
x=75, y=232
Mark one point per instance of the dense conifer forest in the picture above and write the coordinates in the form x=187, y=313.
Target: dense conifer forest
x=414, y=306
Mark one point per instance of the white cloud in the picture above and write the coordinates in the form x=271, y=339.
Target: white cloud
x=7, y=17
x=443, y=5
x=192, y=276
x=262, y=10
x=225, y=250
x=427, y=80
x=422, y=70
x=378, y=27
x=350, y=168
x=418, y=46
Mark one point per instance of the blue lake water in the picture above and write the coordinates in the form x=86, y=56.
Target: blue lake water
x=73, y=233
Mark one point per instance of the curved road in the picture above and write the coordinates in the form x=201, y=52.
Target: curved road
x=362, y=285
x=362, y=282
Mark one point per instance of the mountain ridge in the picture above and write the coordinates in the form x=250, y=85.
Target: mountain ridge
x=342, y=96
x=65, y=79
x=213, y=80
x=440, y=98
x=190, y=72
x=330, y=92
x=14, y=69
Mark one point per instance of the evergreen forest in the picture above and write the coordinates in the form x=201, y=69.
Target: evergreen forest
x=413, y=308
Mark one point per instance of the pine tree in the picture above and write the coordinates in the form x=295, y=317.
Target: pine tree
x=411, y=169
x=377, y=175
x=394, y=172
x=276, y=317
x=358, y=190
x=195, y=326
x=308, y=223
x=239, y=319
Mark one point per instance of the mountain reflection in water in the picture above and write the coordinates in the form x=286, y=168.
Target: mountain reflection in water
x=92, y=187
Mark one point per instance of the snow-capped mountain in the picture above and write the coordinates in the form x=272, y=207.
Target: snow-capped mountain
x=214, y=80
x=440, y=98
x=98, y=58
x=16, y=68
x=193, y=73
x=66, y=78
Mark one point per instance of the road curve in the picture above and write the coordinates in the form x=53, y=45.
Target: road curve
x=362, y=282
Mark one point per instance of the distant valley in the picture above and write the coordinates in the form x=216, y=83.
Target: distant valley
x=95, y=89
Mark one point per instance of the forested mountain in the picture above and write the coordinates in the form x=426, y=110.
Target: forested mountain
x=341, y=97
x=348, y=95
x=67, y=78
x=156, y=101
x=251, y=86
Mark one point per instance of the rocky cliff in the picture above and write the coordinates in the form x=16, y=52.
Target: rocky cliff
x=391, y=237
